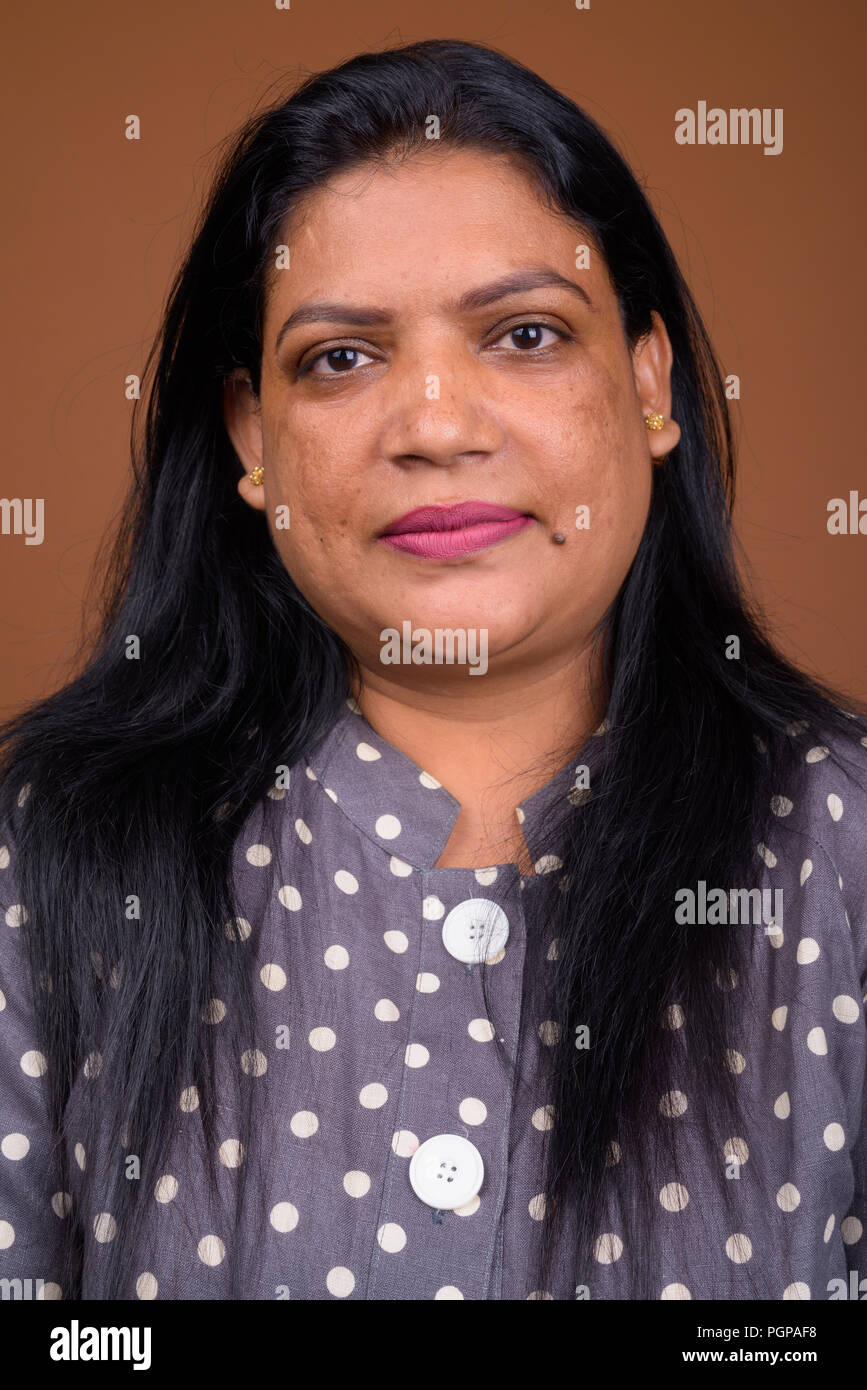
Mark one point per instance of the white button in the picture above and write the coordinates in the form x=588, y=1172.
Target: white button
x=446, y=1171
x=475, y=930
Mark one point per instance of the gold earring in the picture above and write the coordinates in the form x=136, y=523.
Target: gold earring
x=256, y=475
x=653, y=421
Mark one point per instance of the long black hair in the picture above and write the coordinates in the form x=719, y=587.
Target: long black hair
x=135, y=779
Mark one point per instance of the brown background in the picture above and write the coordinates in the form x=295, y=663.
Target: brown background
x=772, y=246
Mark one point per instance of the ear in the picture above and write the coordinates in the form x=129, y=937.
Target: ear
x=242, y=416
x=651, y=367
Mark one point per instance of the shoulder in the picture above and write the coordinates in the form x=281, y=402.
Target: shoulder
x=821, y=818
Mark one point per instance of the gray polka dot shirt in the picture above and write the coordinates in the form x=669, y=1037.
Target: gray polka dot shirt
x=399, y=1161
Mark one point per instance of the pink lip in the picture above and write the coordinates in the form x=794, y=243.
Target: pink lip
x=438, y=533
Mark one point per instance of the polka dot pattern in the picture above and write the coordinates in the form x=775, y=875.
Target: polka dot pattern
x=395, y=1042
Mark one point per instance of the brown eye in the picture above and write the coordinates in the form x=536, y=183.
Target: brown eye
x=529, y=335
x=340, y=359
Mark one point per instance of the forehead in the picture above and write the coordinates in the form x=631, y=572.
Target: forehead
x=439, y=220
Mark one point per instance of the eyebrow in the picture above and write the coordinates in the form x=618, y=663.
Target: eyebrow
x=518, y=282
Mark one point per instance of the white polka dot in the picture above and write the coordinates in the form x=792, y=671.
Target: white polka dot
x=367, y=753
x=426, y=983
x=736, y=1148
x=781, y=805
x=93, y=1065
x=536, y=1207
x=399, y=867
x=775, y=934
x=259, y=855
x=851, y=1230
x=835, y=806
x=779, y=1016
x=4, y=857
x=672, y=1104
x=238, y=929
x=284, y=1217
x=829, y=1228
x=607, y=1248
x=845, y=1008
x=322, y=1039
x=798, y=1290
x=834, y=1136
x=356, y=1183
x=536, y=1294
x=816, y=1041
x=7, y=1235
x=373, y=1095
x=211, y=1250
x=782, y=1106
x=432, y=909
x=386, y=1011
x=675, y=1291
x=396, y=941
x=387, y=827
x=213, y=1012
x=806, y=870
x=788, y=1197
x=485, y=876
x=391, y=1237
x=481, y=1030
x=15, y=1146
x=808, y=950
x=189, y=1099
x=674, y=1196
x=735, y=1061
x=61, y=1203
x=404, y=1143
x=613, y=1154
x=739, y=1248
x=16, y=915
x=543, y=1118
x=80, y=1156
x=289, y=897
x=473, y=1111
x=104, y=1227
x=767, y=855
x=310, y=773
x=166, y=1188
x=816, y=755
x=254, y=1062
x=304, y=1123
x=273, y=976
x=146, y=1285
x=673, y=1017
x=303, y=831
x=727, y=982
x=2, y=1001
x=346, y=882
x=448, y=1291
x=34, y=1064
x=554, y=949
x=548, y=864
x=231, y=1153
x=416, y=1055
x=337, y=957
x=340, y=1281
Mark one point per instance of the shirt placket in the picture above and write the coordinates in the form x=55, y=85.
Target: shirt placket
x=454, y=1107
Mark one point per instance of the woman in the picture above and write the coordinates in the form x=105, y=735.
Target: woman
x=468, y=904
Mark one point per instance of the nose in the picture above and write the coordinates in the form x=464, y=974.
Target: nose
x=437, y=409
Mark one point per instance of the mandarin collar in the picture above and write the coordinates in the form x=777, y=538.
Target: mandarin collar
x=409, y=814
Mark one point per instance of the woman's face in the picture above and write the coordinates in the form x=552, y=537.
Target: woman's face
x=399, y=395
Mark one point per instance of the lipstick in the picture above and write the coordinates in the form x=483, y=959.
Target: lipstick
x=441, y=533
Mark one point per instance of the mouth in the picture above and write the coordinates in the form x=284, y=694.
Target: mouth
x=440, y=533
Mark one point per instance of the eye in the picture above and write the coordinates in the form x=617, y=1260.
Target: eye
x=533, y=329
x=336, y=357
